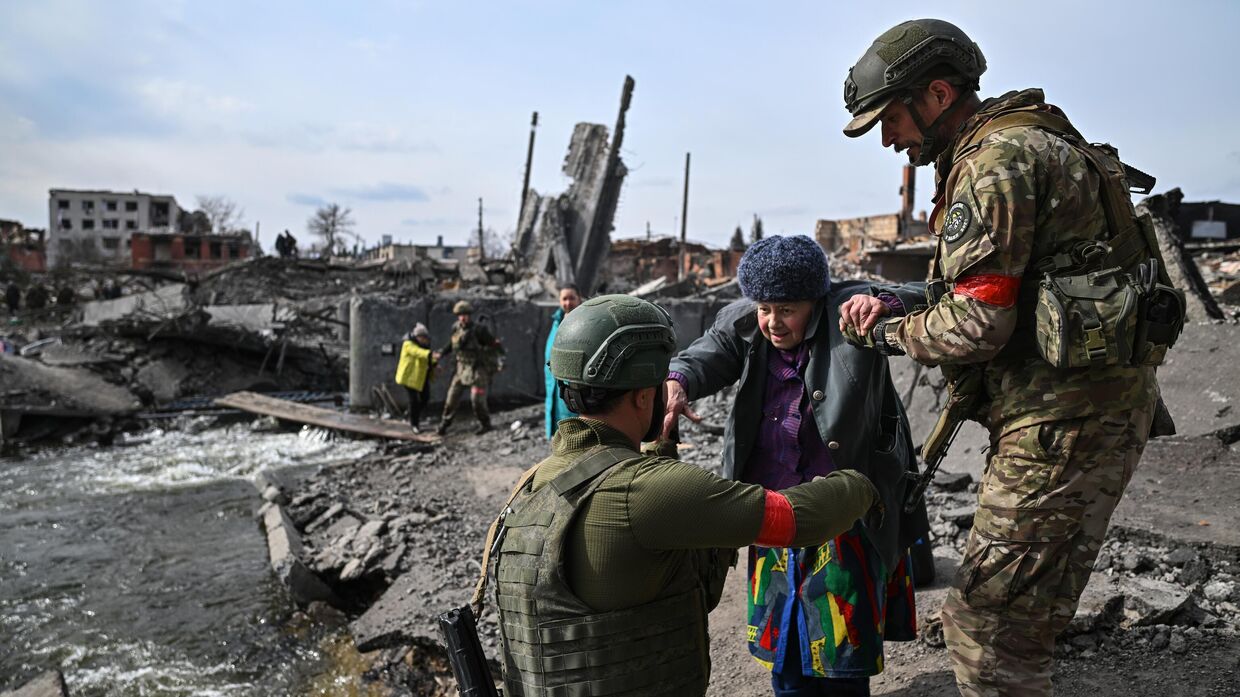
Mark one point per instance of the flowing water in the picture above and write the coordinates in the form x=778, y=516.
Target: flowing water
x=140, y=570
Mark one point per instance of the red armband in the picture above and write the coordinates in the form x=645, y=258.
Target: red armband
x=779, y=525
x=990, y=288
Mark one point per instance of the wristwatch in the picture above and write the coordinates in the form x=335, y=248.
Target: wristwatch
x=879, y=336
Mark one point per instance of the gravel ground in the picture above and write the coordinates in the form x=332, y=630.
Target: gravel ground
x=1161, y=613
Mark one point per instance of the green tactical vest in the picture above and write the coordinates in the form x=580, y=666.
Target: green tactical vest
x=1131, y=241
x=556, y=645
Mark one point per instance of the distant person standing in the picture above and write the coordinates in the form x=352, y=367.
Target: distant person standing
x=413, y=372
x=557, y=410
x=477, y=360
x=36, y=297
x=13, y=297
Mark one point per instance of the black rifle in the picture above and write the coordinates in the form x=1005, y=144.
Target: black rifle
x=469, y=664
x=458, y=626
x=964, y=392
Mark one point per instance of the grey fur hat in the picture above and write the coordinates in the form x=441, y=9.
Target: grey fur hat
x=783, y=269
x=419, y=329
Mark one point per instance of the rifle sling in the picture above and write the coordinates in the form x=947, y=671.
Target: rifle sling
x=481, y=587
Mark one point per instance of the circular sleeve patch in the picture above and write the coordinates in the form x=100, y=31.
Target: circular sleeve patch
x=956, y=222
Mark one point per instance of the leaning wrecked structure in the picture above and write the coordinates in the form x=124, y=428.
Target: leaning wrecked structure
x=566, y=237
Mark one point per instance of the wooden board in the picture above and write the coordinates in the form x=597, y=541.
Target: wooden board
x=317, y=416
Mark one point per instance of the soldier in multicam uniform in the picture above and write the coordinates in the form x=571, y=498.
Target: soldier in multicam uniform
x=477, y=360
x=1015, y=196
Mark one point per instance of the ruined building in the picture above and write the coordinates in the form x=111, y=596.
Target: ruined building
x=567, y=237
x=96, y=225
x=856, y=234
x=22, y=247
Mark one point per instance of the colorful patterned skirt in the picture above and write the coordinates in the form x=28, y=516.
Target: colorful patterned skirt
x=846, y=604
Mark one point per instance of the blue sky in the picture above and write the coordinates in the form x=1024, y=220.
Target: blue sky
x=409, y=111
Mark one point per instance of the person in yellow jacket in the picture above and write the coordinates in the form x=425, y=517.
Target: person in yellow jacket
x=414, y=371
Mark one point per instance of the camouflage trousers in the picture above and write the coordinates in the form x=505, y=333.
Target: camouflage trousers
x=477, y=387
x=1045, y=502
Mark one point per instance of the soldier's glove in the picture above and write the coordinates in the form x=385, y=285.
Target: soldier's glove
x=856, y=339
x=873, y=339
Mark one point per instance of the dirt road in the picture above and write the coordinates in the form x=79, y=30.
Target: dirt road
x=1185, y=643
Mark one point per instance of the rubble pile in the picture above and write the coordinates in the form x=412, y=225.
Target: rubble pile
x=397, y=536
x=1221, y=272
x=1145, y=591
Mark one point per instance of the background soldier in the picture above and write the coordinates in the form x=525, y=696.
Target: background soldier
x=609, y=559
x=12, y=297
x=477, y=360
x=1020, y=197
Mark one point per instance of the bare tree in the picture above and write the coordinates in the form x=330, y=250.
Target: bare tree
x=738, y=240
x=332, y=223
x=755, y=232
x=224, y=214
x=498, y=245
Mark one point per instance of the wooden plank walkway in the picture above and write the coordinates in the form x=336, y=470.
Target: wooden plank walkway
x=317, y=416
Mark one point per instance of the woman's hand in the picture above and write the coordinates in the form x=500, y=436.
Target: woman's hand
x=862, y=312
x=677, y=403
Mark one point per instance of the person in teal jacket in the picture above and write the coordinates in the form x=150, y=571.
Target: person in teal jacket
x=557, y=410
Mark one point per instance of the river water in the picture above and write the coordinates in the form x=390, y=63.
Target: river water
x=140, y=569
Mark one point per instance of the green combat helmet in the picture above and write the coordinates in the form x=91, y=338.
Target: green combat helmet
x=462, y=307
x=894, y=67
x=614, y=342
x=611, y=344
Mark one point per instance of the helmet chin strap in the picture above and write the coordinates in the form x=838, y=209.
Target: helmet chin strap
x=932, y=144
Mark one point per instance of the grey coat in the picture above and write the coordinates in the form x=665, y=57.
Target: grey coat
x=855, y=405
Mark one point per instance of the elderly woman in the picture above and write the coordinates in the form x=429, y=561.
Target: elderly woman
x=807, y=404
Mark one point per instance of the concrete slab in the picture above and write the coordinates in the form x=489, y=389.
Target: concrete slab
x=167, y=301
x=64, y=389
x=255, y=318
x=285, y=551
x=163, y=377
x=1200, y=382
x=49, y=684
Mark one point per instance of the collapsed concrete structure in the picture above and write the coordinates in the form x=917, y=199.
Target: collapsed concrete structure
x=565, y=238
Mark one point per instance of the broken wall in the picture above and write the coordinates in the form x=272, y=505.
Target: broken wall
x=522, y=327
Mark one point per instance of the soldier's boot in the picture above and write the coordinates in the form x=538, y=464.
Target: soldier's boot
x=442, y=428
x=478, y=400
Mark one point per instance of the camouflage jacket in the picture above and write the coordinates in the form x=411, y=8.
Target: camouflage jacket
x=475, y=347
x=1022, y=194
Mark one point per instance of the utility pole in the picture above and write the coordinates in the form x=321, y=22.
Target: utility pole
x=529, y=162
x=684, y=219
x=482, y=247
x=647, y=230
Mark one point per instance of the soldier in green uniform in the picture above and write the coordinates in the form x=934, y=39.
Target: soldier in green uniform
x=608, y=559
x=477, y=360
x=1030, y=218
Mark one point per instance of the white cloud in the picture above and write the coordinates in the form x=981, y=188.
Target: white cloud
x=188, y=102
x=374, y=49
x=16, y=128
